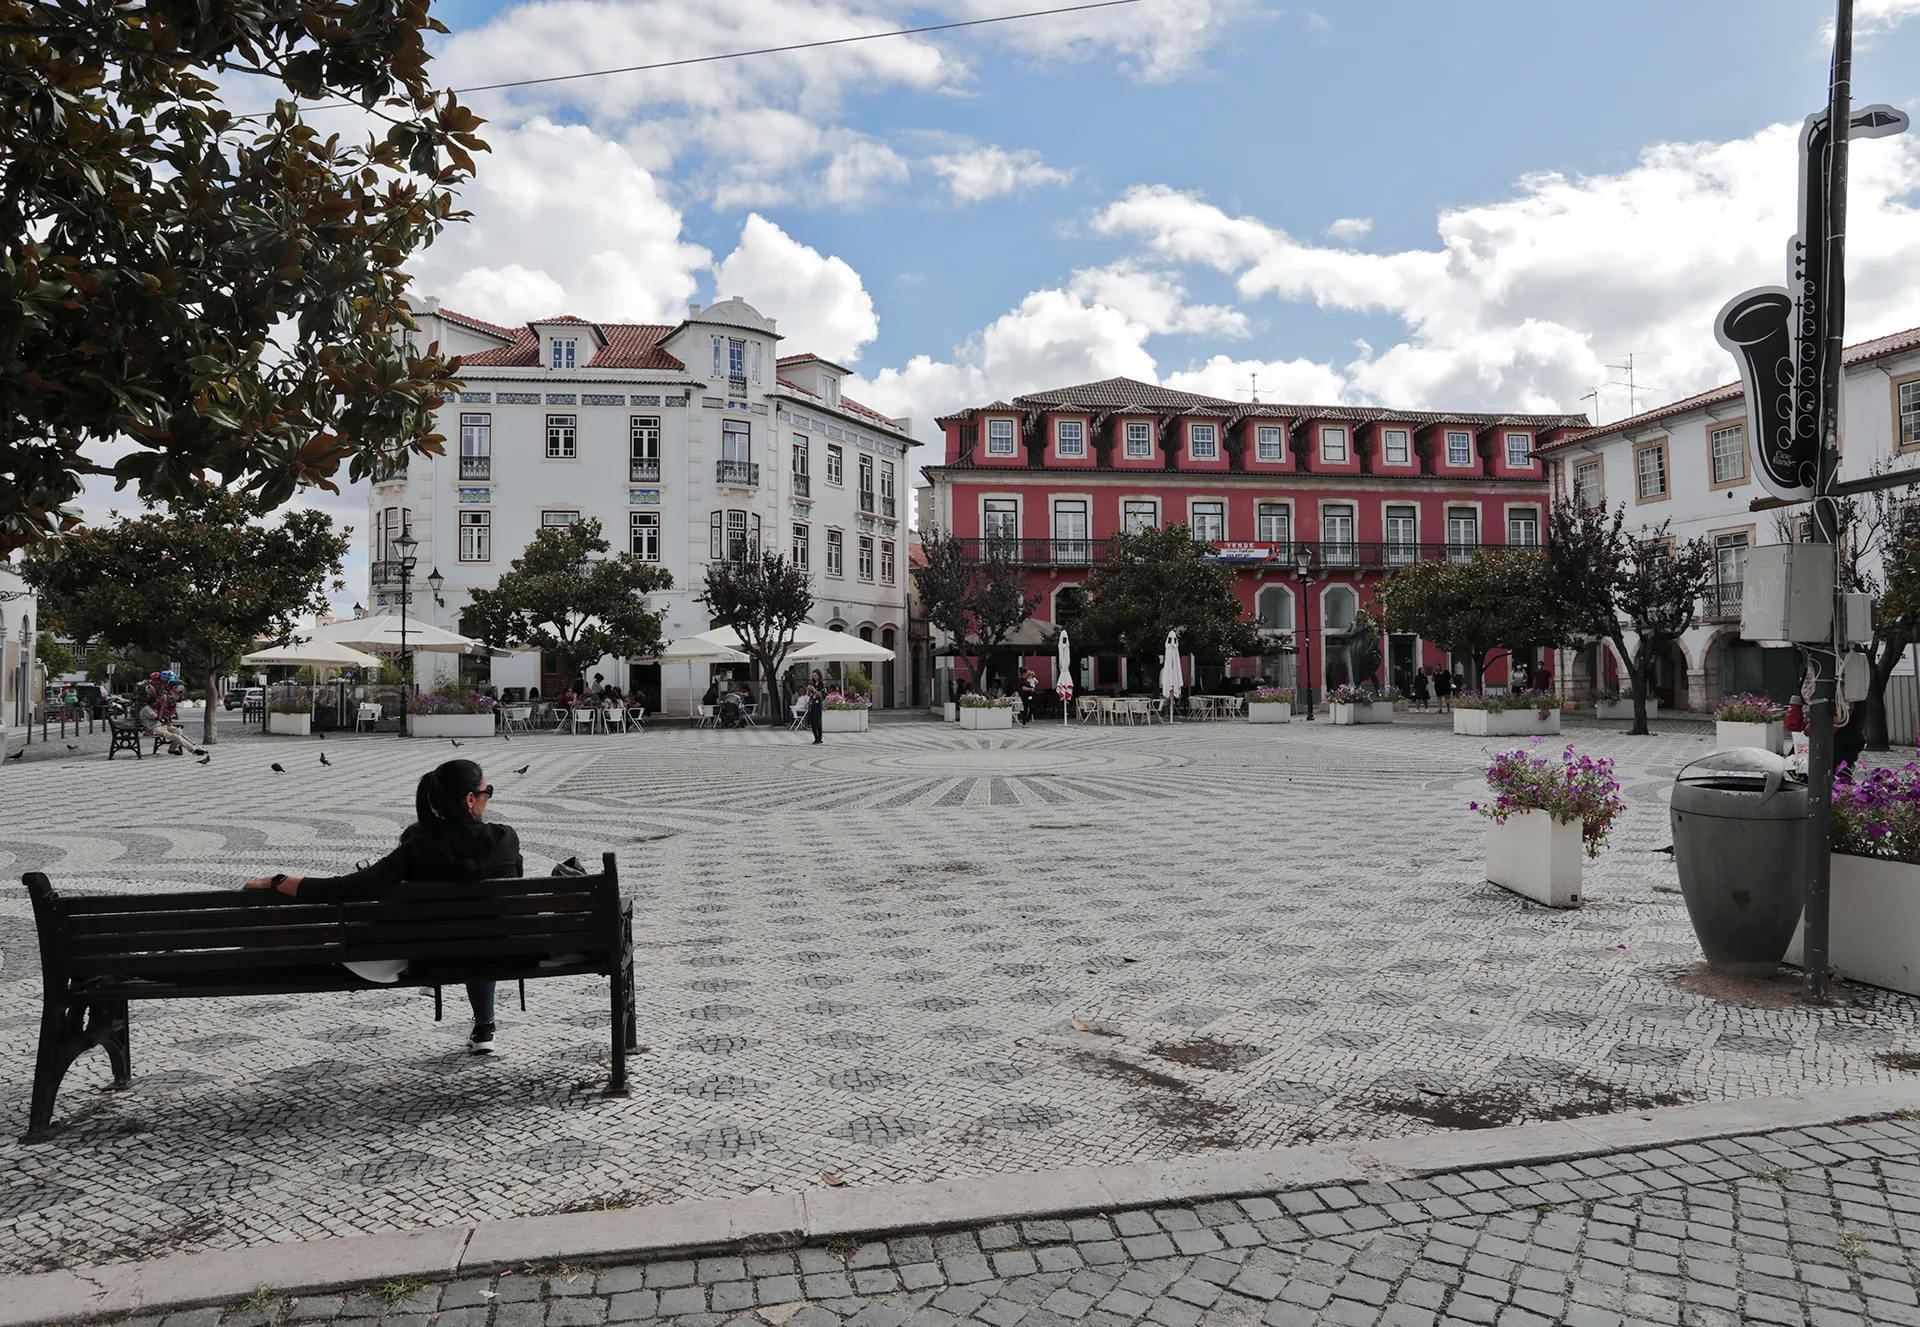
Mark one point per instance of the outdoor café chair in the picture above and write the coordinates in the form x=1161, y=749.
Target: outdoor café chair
x=708, y=717
x=514, y=718
x=584, y=714
x=636, y=717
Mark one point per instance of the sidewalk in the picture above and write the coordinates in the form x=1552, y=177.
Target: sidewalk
x=1775, y=1210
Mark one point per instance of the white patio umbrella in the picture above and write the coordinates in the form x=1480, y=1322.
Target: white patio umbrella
x=311, y=654
x=840, y=647
x=1170, y=671
x=383, y=633
x=699, y=649
x=1063, y=675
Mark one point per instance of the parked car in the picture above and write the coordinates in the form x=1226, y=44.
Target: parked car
x=239, y=696
x=90, y=699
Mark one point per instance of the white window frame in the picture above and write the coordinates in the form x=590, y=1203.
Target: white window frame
x=1396, y=446
x=1906, y=414
x=563, y=437
x=563, y=352
x=476, y=535
x=802, y=551
x=1333, y=444
x=836, y=553
x=1203, y=436
x=643, y=535
x=1641, y=475
x=1282, y=593
x=863, y=566
x=476, y=435
x=1344, y=550
x=1264, y=513
x=1000, y=443
x=643, y=438
x=1454, y=514
x=1071, y=548
x=1269, y=442
x=1193, y=518
x=1138, y=440
x=991, y=509
x=1531, y=516
x=802, y=455
x=1524, y=459
x=888, y=562
x=1599, y=471
x=836, y=465
x=1463, y=439
x=1738, y=452
x=559, y=518
x=1401, y=552
x=1128, y=513
x=736, y=435
x=1070, y=437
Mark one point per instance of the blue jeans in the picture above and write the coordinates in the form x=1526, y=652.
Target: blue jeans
x=480, y=996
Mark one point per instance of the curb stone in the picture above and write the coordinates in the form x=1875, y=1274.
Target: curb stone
x=771, y=1221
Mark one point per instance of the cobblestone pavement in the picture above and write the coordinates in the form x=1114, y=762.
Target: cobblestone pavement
x=1818, y=1226
x=908, y=954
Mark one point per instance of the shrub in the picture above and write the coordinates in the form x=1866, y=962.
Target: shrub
x=840, y=700
x=1499, y=702
x=1271, y=696
x=974, y=701
x=1748, y=708
x=1571, y=788
x=450, y=702
x=292, y=705
x=858, y=683
x=1352, y=695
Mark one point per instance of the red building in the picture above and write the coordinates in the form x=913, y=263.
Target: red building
x=1055, y=474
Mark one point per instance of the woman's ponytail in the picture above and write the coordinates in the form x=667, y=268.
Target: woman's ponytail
x=441, y=797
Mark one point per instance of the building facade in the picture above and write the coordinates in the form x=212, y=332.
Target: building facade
x=19, y=673
x=689, y=443
x=1691, y=463
x=1054, y=475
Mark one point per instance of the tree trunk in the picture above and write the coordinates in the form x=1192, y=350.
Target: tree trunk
x=207, y=737
x=775, y=694
x=1639, y=664
x=1874, y=721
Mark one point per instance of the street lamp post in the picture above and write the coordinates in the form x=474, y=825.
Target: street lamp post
x=405, y=546
x=1303, y=572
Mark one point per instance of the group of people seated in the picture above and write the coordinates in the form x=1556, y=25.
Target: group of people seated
x=731, y=702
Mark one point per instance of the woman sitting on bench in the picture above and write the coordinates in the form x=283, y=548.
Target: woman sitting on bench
x=450, y=840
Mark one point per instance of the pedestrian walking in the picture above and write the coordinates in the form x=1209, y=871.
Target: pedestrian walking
x=816, y=703
x=1421, y=689
x=1443, y=690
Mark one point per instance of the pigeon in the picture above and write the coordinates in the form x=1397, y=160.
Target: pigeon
x=324, y=760
x=276, y=768
x=455, y=743
x=18, y=754
x=523, y=769
x=72, y=747
x=207, y=761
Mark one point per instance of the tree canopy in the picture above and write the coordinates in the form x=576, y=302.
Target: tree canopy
x=1486, y=605
x=200, y=580
x=764, y=599
x=1153, y=581
x=564, y=596
x=214, y=294
x=977, y=599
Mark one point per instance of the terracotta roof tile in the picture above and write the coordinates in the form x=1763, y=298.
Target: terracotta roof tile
x=476, y=324
x=635, y=346
x=524, y=353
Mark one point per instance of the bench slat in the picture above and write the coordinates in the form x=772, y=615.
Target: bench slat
x=530, y=886
x=470, y=928
x=267, y=937
x=497, y=946
x=78, y=905
x=204, y=960
x=432, y=910
x=203, y=919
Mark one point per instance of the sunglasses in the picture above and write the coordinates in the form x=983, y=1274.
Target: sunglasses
x=484, y=792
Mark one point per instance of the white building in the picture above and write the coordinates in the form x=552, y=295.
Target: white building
x=19, y=680
x=688, y=443
x=1692, y=463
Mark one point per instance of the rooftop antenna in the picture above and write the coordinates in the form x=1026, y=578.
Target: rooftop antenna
x=1633, y=387
x=1256, y=389
x=1594, y=396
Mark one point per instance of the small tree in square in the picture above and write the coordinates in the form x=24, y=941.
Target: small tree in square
x=977, y=599
x=1485, y=605
x=764, y=599
x=1157, y=580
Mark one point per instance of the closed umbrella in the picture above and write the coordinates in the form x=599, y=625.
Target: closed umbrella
x=1170, y=671
x=1063, y=675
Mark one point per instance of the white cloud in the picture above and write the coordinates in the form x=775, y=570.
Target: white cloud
x=861, y=167
x=583, y=227
x=1350, y=229
x=987, y=172
x=1294, y=381
x=821, y=304
x=1525, y=299
x=1155, y=41
x=1873, y=16
x=1156, y=299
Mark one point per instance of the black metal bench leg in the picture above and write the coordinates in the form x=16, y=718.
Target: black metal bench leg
x=112, y=1028
x=630, y=1023
x=617, y=988
x=49, y=1068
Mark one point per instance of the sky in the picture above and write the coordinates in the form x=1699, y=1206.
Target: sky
x=1470, y=206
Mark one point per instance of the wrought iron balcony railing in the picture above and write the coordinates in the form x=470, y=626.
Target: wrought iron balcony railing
x=1723, y=600
x=738, y=474
x=867, y=501
x=888, y=508
x=1327, y=554
x=643, y=471
x=802, y=485
x=736, y=384
x=476, y=467
x=387, y=571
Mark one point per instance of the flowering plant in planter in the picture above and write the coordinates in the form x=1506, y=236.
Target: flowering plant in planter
x=1748, y=708
x=1499, y=702
x=447, y=702
x=1572, y=789
x=973, y=700
x=1879, y=815
x=842, y=700
x=1271, y=696
x=292, y=705
x=1352, y=695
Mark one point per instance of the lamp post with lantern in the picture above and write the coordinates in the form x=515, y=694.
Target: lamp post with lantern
x=1303, y=573
x=405, y=546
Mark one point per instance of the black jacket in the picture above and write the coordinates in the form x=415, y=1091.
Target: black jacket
x=477, y=850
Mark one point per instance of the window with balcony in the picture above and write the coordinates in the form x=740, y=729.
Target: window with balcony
x=643, y=535
x=1137, y=514
x=888, y=507
x=1523, y=527
x=1275, y=521
x=1587, y=489
x=1209, y=521
x=1000, y=521
x=562, y=437
x=867, y=503
x=802, y=547
x=1907, y=406
x=836, y=553
x=736, y=368
x=1333, y=445
x=1403, y=536
x=802, y=465
x=887, y=572
x=1270, y=443
x=1139, y=442
x=1000, y=437
x=476, y=536
x=1727, y=449
x=834, y=459
x=865, y=563
x=1396, y=447
x=1459, y=448
x=736, y=454
x=560, y=353
x=1463, y=532
x=1070, y=531
x=643, y=448
x=1730, y=571
x=1519, y=451
x=387, y=528
x=1275, y=606
x=1203, y=442
x=476, y=446
x=1070, y=437
x=1650, y=471
x=1337, y=535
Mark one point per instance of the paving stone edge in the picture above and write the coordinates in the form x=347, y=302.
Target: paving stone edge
x=768, y=1221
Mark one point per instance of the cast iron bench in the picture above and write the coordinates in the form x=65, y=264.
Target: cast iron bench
x=99, y=952
x=128, y=739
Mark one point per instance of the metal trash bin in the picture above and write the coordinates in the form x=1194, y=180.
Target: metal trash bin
x=1740, y=843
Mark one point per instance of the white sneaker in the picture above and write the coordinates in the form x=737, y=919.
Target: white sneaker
x=480, y=1041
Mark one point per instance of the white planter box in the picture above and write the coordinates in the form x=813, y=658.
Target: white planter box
x=1270, y=711
x=1622, y=709
x=1766, y=736
x=844, y=721
x=449, y=725
x=1369, y=713
x=290, y=725
x=985, y=717
x=1873, y=923
x=1537, y=857
x=1505, y=723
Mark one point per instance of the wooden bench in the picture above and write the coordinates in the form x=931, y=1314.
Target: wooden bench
x=99, y=953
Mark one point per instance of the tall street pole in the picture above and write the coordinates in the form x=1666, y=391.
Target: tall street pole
x=1825, y=525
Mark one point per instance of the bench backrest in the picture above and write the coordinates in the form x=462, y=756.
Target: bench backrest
x=208, y=931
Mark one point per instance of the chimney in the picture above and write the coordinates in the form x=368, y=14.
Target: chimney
x=693, y=310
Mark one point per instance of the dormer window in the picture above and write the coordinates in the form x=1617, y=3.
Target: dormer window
x=1333, y=445
x=1520, y=451
x=1459, y=448
x=1000, y=437
x=1203, y=442
x=833, y=390
x=1395, y=446
x=1271, y=443
x=561, y=352
x=1070, y=437
x=1139, y=441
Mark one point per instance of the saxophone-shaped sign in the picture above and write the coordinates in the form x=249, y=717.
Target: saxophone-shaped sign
x=1778, y=334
